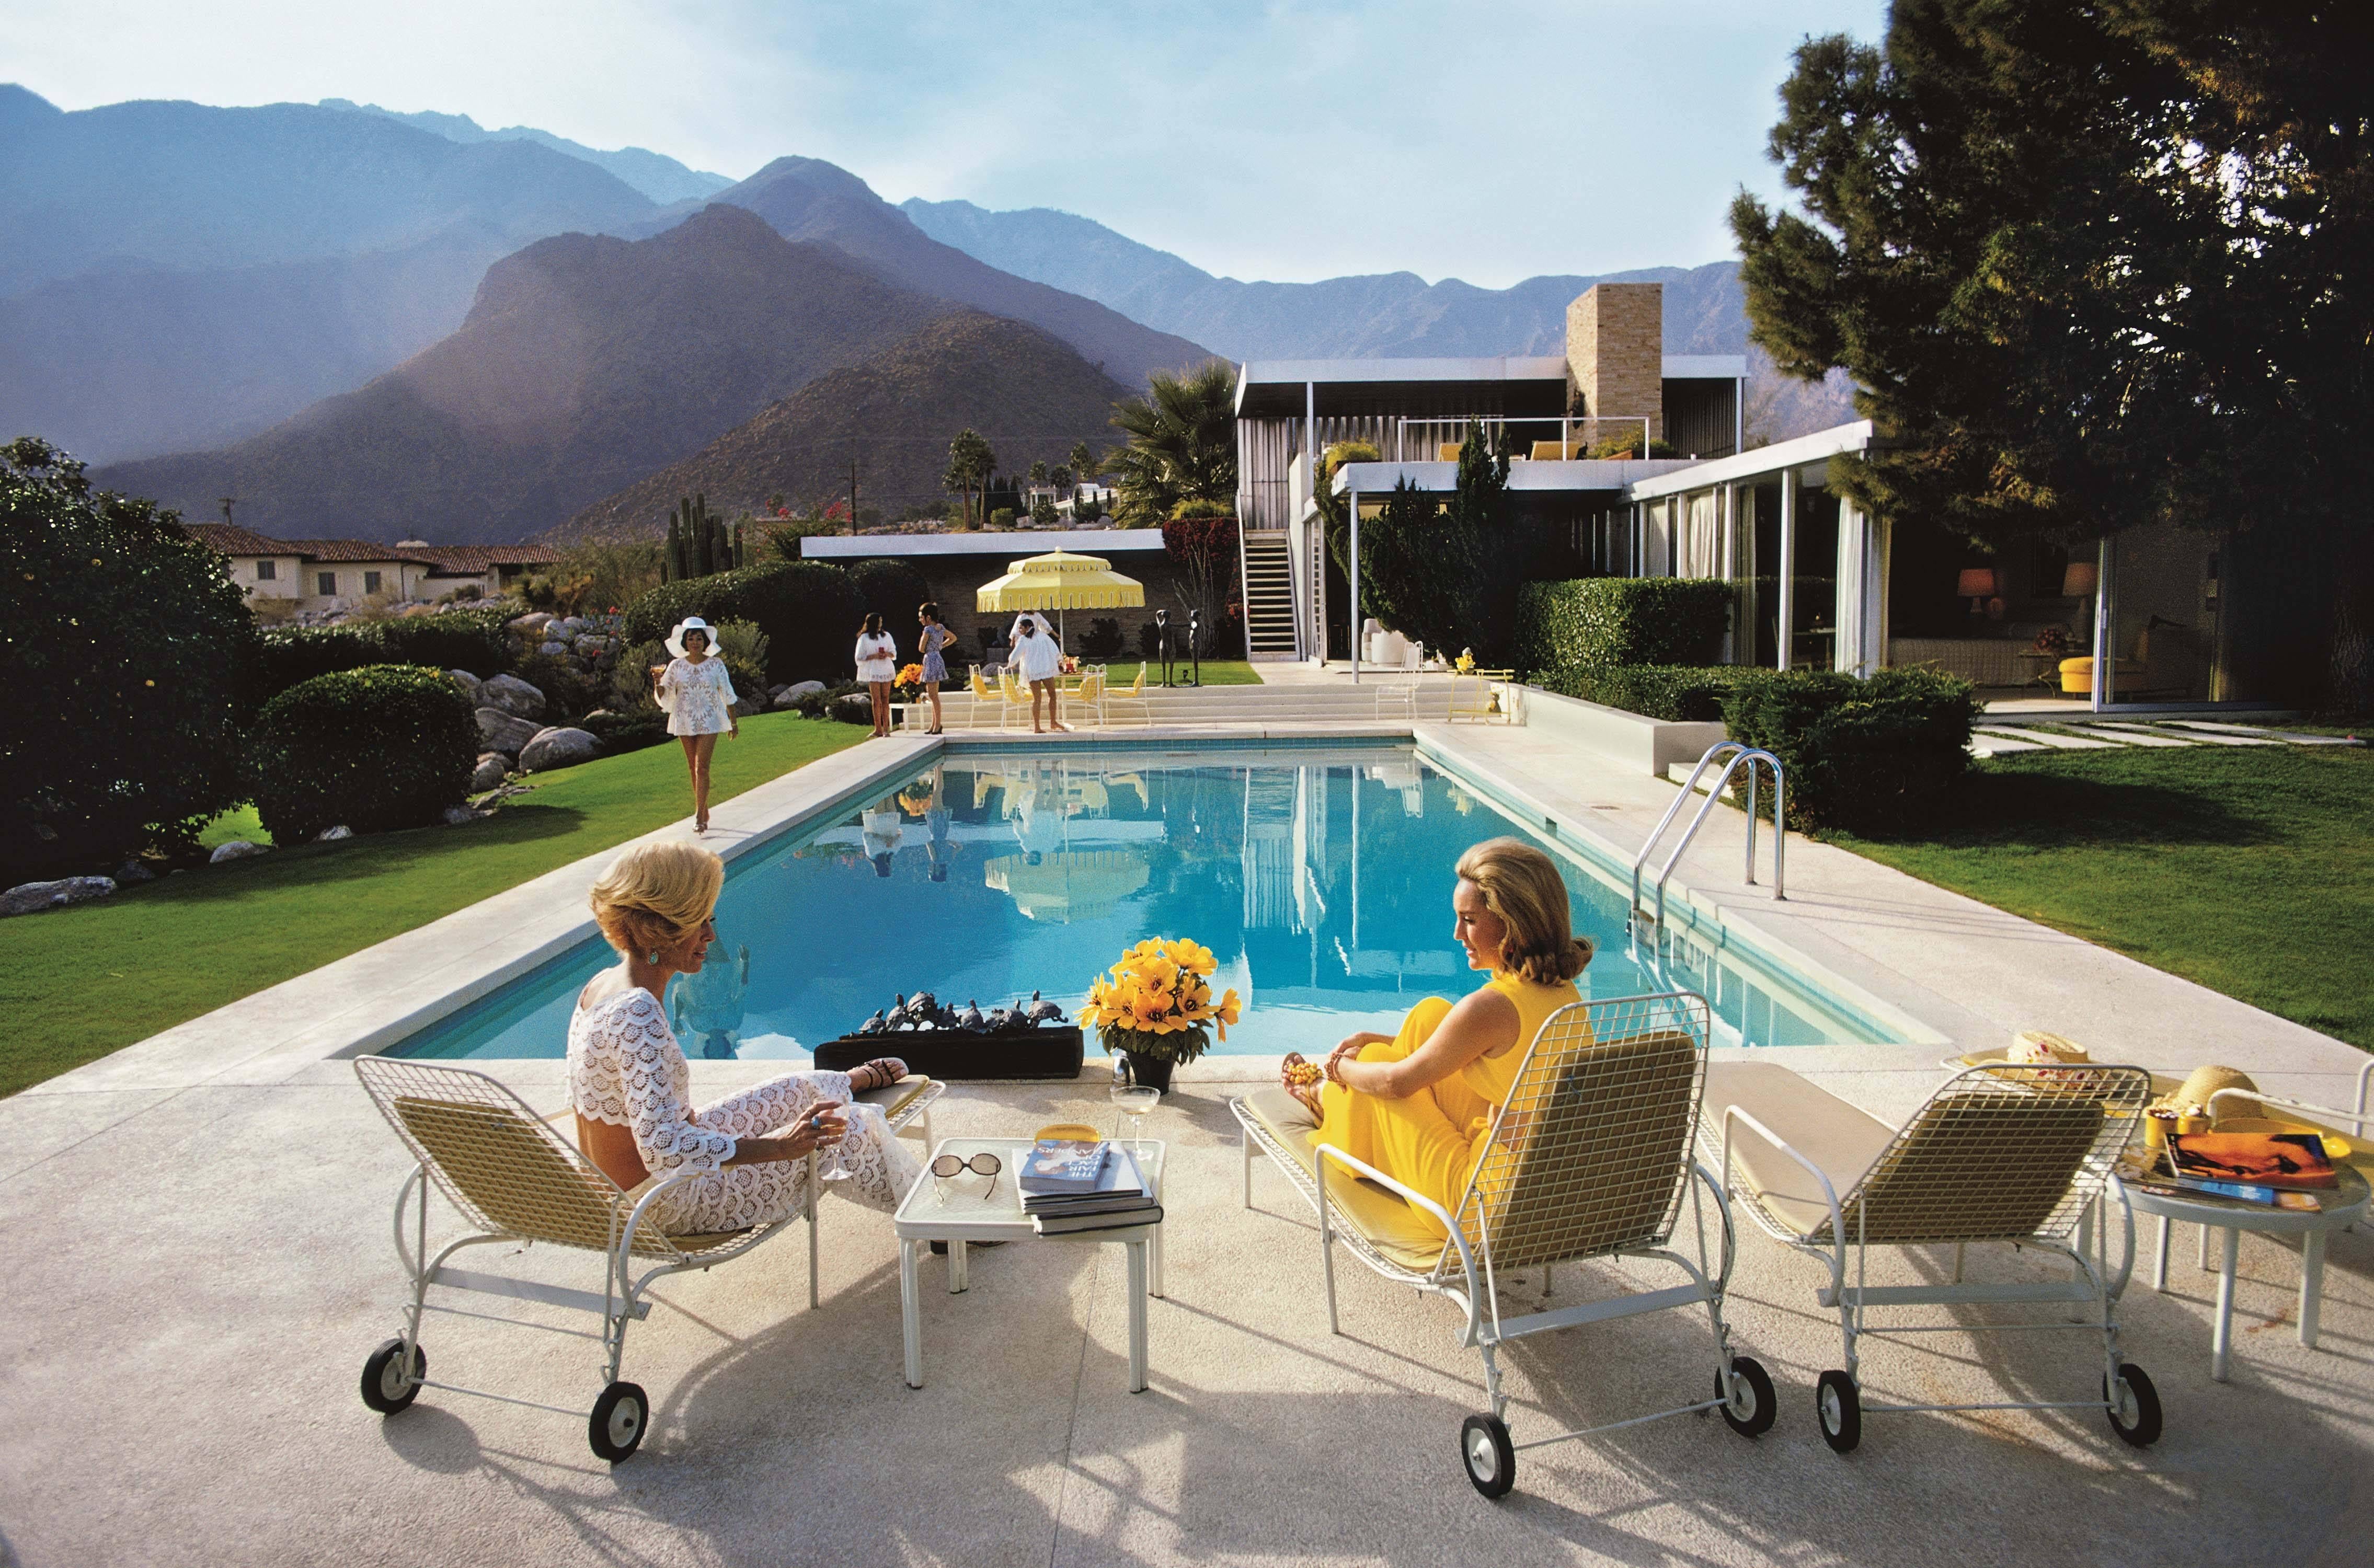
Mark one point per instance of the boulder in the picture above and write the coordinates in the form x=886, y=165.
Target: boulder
x=513, y=695
x=237, y=850
x=557, y=747
x=468, y=682
x=456, y=815
x=333, y=833
x=799, y=689
x=504, y=733
x=131, y=873
x=533, y=621
x=553, y=650
x=28, y=897
x=855, y=708
x=592, y=645
x=493, y=766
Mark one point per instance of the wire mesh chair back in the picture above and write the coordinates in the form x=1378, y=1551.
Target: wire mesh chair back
x=1998, y=1153
x=1592, y=1153
x=504, y=1168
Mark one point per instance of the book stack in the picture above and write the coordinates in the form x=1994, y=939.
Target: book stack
x=1071, y=1186
x=2274, y=1170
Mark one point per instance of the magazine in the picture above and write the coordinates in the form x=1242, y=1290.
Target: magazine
x=1118, y=1187
x=2261, y=1197
x=2292, y=1160
x=1069, y=1225
x=1063, y=1164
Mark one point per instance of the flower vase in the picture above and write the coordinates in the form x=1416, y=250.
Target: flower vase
x=1149, y=1071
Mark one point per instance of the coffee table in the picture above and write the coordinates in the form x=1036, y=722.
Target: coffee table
x=972, y=1211
x=2346, y=1204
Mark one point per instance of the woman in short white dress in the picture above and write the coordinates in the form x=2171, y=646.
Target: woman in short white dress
x=628, y=1079
x=699, y=698
x=877, y=666
x=1040, y=660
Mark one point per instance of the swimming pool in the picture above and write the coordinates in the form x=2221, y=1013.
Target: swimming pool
x=1320, y=876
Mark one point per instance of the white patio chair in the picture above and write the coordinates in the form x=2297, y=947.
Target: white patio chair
x=1118, y=698
x=1999, y=1153
x=513, y=1178
x=1589, y=1159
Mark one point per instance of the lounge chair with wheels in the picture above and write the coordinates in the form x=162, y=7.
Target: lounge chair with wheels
x=1589, y=1159
x=2018, y=1155
x=513, y=1178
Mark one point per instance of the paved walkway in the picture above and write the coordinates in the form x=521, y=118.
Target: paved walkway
x=2000, y=734
x=199, y=1251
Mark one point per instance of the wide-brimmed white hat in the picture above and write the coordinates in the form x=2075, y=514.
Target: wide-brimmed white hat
x=690, y=624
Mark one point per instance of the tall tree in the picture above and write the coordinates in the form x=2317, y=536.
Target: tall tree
x=2094, y=266
x=1182, y=447
x=970, y=462
x=1083, y=462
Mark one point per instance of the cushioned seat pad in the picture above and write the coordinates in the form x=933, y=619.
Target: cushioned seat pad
x=1382, y=1217
x=1842, y=1139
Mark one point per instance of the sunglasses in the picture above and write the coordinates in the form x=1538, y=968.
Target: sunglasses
x=948, y=1166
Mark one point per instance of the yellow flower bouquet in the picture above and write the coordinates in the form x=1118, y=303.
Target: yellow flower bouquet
x=909, y=684
x=1156, y=1002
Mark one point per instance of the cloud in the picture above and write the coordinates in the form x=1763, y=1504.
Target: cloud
x=1295, y=140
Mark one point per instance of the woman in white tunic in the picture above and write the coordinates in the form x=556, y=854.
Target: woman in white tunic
x=1040, y=660
x=628, y=1079
x=877, y=666
x=699, y=700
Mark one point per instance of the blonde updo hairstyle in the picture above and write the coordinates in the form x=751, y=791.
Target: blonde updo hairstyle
x=1521, y=885
x=656, y=895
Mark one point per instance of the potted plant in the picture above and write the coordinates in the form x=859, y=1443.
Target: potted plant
x=1156, y=1007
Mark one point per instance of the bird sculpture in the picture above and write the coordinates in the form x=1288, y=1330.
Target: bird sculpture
x=1042, y=1012
x=875, y=1024
x=969, y=1019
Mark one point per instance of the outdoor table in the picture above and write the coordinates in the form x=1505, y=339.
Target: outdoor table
x=2342, y=1206
x=975, y=1211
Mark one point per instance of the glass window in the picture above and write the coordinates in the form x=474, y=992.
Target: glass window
x=370, y=582
x=266, y=570
x=327, y=582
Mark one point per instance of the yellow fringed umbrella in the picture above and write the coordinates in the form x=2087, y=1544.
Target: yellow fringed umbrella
x=1059, y=580
x=1067, y=884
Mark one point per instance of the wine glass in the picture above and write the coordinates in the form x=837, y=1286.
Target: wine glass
x=1133, y=1099
x=830, y=1166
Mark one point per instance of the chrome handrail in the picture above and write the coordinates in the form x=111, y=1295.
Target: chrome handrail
x=1743, y=755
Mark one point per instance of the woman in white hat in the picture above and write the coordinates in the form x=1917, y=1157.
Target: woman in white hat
x=693, y=689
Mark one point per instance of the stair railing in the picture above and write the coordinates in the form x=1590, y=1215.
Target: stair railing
x=1750, y=757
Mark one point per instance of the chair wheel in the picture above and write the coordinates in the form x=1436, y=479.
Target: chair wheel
x=386, y=1388
x=2133, y=1406
x=615, y=1427
x=1839, y=1408
x=1491, y=1462
x=1747, y=1403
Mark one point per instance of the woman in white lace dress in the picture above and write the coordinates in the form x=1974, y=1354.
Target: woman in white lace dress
x=699, y=698
x=630, y=1082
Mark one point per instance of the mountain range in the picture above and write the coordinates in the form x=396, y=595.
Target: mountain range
x=656, y=175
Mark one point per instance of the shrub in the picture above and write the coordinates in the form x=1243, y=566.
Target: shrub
x=1150, y=640
x=1594, y=622
x=381, y=747
x=1681, y=693
x=123, y=646
x=1001, y=518
x=892, y=589
x=810, y=611
x=467, y=638
x=632, y=729
x=1868, y=755
x=1101, y=638
x=568, y=692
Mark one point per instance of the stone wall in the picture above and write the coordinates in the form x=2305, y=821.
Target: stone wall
x=1615, y=354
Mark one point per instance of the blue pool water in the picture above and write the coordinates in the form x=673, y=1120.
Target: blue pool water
x=1320, y=876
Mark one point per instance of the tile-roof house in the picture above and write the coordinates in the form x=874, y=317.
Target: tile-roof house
x=317, y=574
x=495, y=569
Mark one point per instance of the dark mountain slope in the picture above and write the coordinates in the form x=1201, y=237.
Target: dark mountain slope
x=586, y=362
x=1024, y=389
x=806, y=198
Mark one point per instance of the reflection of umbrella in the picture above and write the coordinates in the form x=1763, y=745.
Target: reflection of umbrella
x=1067, y=884
x=1059, y=581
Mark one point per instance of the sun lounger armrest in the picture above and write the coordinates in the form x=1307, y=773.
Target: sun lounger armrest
x=1721, y=1207
x=1829, y=1193
x=1322, y=1153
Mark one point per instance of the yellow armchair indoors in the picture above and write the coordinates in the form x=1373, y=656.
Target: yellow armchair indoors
x=2128, y=676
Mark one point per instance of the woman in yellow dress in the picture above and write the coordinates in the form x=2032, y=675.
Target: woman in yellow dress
x=1419, y=1104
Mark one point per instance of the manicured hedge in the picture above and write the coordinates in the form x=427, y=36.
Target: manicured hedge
x=468, y=639
x=1683, y=692
x=1590, y=623
x=632, y=730
x=1876, y=755
x=892, y=589
x=385, y=746
x=809, y=610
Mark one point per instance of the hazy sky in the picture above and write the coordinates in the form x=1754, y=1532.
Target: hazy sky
x=1490, y=139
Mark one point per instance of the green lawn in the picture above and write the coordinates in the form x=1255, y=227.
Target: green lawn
x=1216, y=671
x=2249, y=869
x=80, y=982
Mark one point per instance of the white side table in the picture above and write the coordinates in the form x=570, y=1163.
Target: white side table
x=2343, y=1207
x=968, y=1208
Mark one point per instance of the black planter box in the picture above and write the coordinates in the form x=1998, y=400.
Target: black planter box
x=1049, y=1052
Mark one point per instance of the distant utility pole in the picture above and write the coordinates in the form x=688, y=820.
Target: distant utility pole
x=853, y=492
x=228, y=502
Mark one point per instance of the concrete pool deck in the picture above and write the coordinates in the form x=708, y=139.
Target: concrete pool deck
x=198, y=1234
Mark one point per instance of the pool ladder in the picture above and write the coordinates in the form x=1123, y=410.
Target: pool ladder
x=1743, y=756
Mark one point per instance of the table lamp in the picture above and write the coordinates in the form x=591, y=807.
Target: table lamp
x=2079, y=580
x=1977, y=585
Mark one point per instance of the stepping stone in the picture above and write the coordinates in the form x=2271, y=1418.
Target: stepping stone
x=2260, y=729
x=2134, y=735
x=2002, y=746
x=2214, y=738
x=2047, y=739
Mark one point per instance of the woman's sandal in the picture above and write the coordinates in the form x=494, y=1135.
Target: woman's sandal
x=879, y=1074
x=1308, y=1093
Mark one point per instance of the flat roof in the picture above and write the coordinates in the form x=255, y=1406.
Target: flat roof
x=1512, y=384
x=1758, y=463
x=1440, y=478
x=1018, y=543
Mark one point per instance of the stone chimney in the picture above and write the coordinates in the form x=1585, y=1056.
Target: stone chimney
x=1616, y=356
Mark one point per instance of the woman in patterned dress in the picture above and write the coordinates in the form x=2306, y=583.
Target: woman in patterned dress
x=693, y=689
x=935, y=669
x=630, y=1082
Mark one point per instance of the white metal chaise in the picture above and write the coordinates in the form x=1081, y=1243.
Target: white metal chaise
x=1589, y=1159
x=513, y=1178
x=1999, y=1153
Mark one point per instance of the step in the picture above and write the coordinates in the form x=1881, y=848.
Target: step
x=2044, y=738
x=2132, y=734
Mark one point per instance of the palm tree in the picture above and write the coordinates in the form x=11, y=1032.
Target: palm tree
x=970, y=462
x=1182, y=443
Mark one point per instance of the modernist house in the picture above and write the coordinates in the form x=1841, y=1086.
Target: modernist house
x=310, y=576
x=1820, y=584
